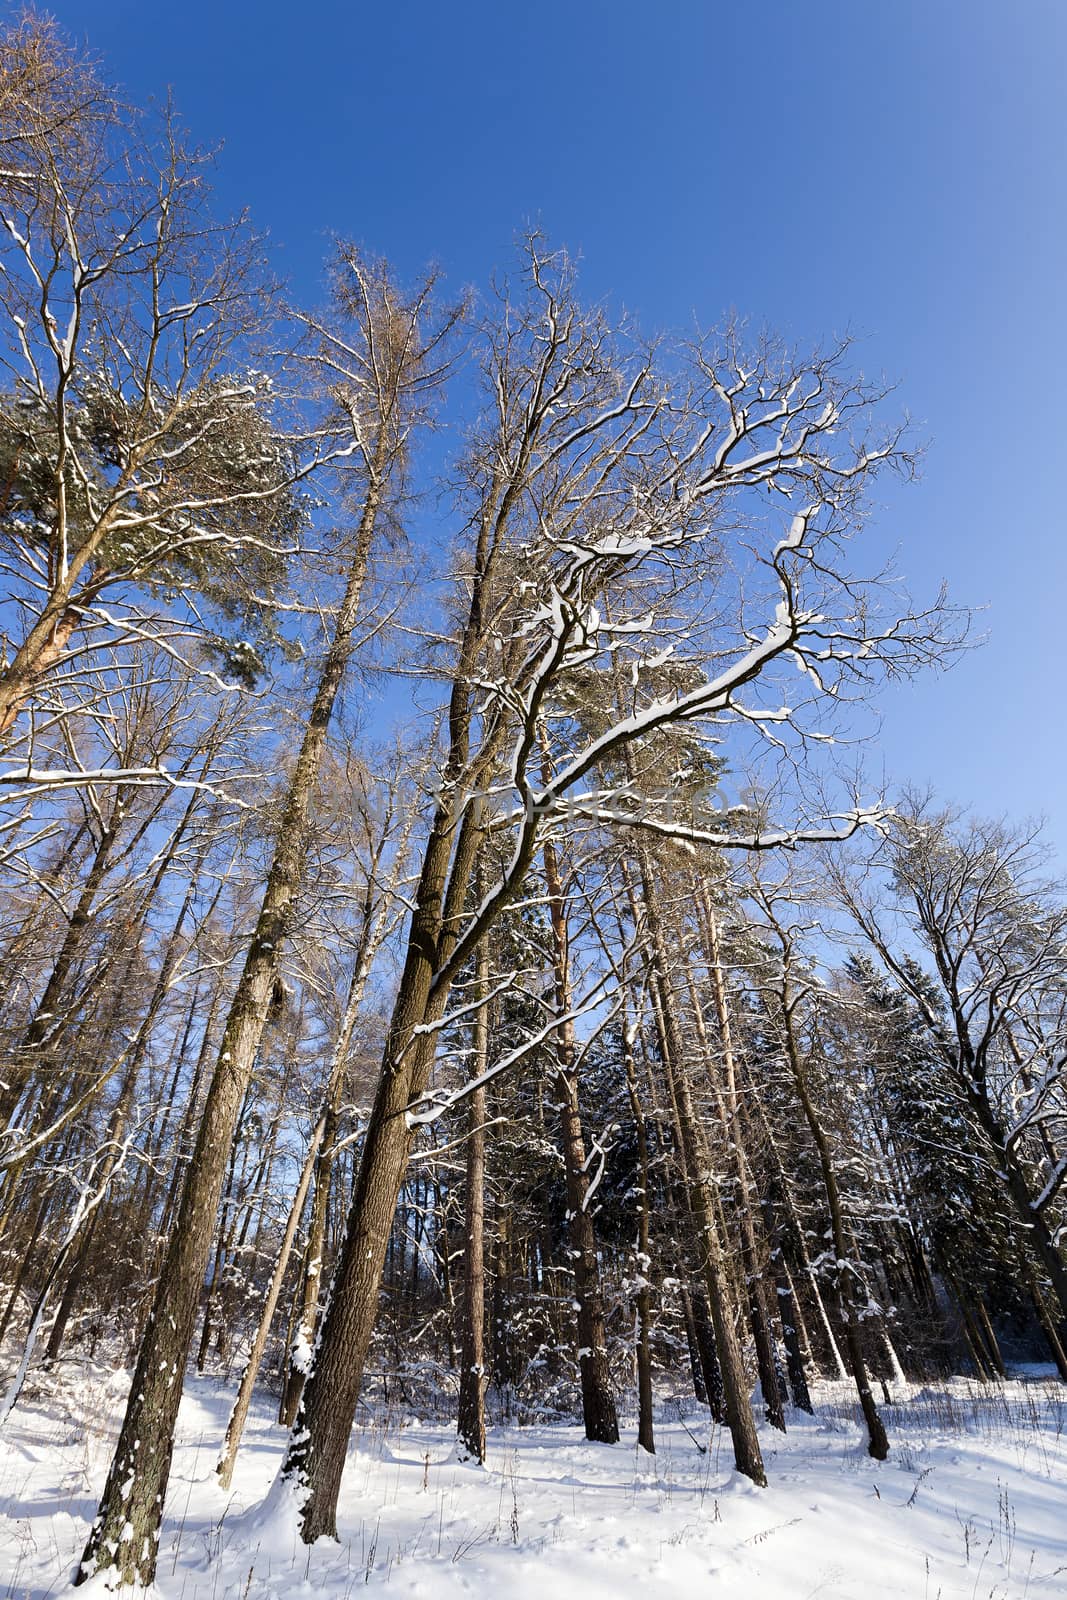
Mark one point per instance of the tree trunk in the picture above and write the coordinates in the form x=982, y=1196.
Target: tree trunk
x=792, y=1334
x=47, y=1018
x=473, y=1380
x=125, y=1534
x=703, y=1206
x=877, y=1441
x=300, y=1348
x=646, y=1437
x=315, y=1459
x=598, y=1402
x=729, y=1114
x=696, y=1367
x=239, y=1414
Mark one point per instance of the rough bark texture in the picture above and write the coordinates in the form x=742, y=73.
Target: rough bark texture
x=44, y=648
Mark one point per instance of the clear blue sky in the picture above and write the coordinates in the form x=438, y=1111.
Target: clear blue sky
x=897, y=169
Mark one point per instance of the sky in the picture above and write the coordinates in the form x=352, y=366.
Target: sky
x=898, y=171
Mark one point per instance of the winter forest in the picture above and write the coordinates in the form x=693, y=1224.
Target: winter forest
x=475, y=1017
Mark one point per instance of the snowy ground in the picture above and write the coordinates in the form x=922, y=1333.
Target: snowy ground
x=970, y=1504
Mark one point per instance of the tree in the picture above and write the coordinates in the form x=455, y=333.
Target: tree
x=144, y=462
x=588, y=485
x=995, y=932
x=382, y=374
x=792, y=989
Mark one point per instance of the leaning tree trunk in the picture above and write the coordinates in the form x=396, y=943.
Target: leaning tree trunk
x=315, y=1458
x=708, y=1385
x=747, y=1455
x=788, y=1230
x=47, y=1018
x=699, y=1329
x=117, y=1123
x=300, y=1347
x=316, y=1455
x=1030, y=1219
x=125, y=1534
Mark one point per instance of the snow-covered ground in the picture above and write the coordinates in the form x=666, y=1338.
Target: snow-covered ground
x=970, y=1504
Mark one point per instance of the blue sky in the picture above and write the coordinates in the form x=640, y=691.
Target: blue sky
x=899, y=170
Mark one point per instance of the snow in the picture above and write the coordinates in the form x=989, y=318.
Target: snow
x=968, y=1506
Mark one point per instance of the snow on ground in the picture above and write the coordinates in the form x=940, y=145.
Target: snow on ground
x=969, y=1506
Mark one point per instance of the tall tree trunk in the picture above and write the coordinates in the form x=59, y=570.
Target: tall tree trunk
x=239, y=1414
x=300, y=1348
x=702, y=1200
x=1031, y=1223
x=223, y=1232
x=788, y=1230
x=1048, y=1326
x=793, y=1335
x=117, y=1123
x=877, y=1440
x=183, y=1142
x=315, y=1459
x=729, y=1115
x=696, y=1369
x=598, y=1402
x=990, y=1340
x=125, y=1534
x=703, y=1330
x=473, y=1380
x=48, y=1015
x=646, y=1436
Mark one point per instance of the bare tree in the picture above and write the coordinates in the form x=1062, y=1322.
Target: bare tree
x=586, y=485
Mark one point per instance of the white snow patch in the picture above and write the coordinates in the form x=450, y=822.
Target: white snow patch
x=968, y=1504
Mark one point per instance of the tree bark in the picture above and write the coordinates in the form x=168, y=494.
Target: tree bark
x=470, y=1422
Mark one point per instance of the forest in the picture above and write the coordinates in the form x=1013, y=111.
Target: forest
x=459, y=959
